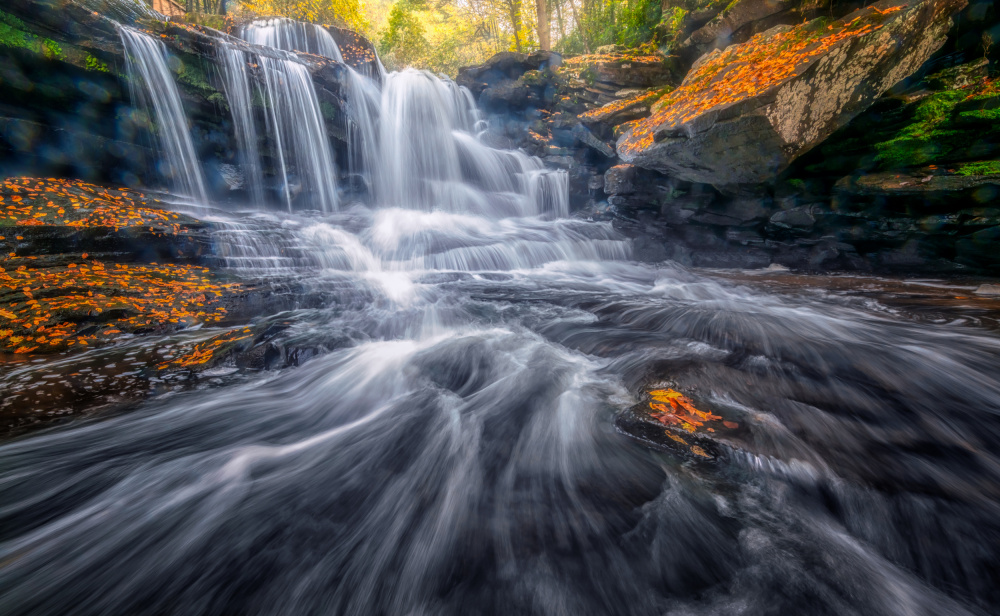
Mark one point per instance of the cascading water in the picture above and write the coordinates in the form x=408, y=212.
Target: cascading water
x=430, y=160
x=294, y=118
x=291, y=35
x=296, y=124
x=153, y=84
x=233, y=62
x=364, y=100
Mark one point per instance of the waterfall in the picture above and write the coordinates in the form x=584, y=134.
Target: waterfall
x=362, y=93
x=296, y=123
x=430, y=158
x=413, y=141
x=290, y=35
x=240, y=97
x=363, y=104
x=153, y=85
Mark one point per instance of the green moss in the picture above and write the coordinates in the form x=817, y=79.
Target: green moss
x=14, y=33
x=986, y=167
x=928, y=138
x=532, y=78
x=191, y=74
x=93, y=64
x=981, y=115
x=11, y=36
x=329, y=111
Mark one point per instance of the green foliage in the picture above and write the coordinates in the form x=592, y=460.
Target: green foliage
x=216, y=22
x=671, y=25
x=441, y=36
x=927, y=138
x=341, y=12
x=404, y=37
x=93, y=64
x=622, y=22
x=13, y=33
x=637, y=22
x=986, y=167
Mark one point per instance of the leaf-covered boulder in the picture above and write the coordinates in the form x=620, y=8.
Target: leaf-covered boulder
x=744, y=113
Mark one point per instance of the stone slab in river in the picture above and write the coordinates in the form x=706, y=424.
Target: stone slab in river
x=744, y=113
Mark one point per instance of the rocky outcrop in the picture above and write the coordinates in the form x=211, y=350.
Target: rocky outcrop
x=742, y=115
x=539, y=102
x=358, y=52
x=719, y=31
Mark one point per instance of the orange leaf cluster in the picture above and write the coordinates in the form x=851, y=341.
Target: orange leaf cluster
x=203, y=352
x=985, y=87
x=607, y=111
x=60, y=202
x=672, y=408
x=747, y=70
x=48, y=309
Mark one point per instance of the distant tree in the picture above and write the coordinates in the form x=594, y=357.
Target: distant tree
x=404, y=36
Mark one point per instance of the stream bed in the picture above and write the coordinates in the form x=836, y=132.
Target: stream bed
x=466, y=430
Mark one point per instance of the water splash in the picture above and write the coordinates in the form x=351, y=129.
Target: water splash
x=153, y=86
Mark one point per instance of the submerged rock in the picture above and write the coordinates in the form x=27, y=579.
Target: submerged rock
x=743, y=114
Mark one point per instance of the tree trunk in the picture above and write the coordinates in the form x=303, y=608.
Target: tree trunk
x=515, y=21
x=542, y=19
x=559, y=19
x=576, y=19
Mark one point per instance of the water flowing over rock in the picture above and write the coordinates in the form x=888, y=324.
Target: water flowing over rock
x=153, y=84
x=297, y=122
x=240, y=96
x=736, y=121
x=291, y=35
x=431, y=159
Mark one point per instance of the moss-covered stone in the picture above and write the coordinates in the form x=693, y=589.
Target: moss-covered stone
x=986, y=167
x=949, y=126
x=14, y=33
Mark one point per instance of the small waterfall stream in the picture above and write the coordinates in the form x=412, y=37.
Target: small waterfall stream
x=291, y=35
x=296, y=122
x=237, y=87
x=153, y=84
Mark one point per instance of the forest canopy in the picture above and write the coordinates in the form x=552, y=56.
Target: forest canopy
x=443, y=35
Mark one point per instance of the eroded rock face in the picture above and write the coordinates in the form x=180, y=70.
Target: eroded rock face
x=743, y=114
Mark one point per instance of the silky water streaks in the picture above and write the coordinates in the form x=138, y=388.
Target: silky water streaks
x=153, y=87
